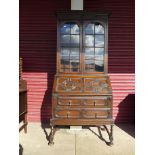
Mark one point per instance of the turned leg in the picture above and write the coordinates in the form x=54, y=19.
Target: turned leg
x=51, y=136
x=111, y=135
x=25, y=123
x=25, y=127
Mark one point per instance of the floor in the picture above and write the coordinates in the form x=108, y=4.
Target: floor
x=76, y=142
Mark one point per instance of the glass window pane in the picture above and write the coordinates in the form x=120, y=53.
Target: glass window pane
x=65, y=29
x=98, y=57
x=65, y=39
x=89, y=29
x=74, y=62
x=89, y=53
x=74, y=53
x=99, y=40
x=65, y=57
x=64, y=63
x=74, y=65
x=98, y=66
x=99, y=53
x=89, y=65
x=89, y=62
x=89, y=40
x=99, y=29
x=74, y=69
x=65, y=51
x=74, y=29
x=74, y=40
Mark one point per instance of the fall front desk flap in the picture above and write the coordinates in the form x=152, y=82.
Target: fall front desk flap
x=82, y=85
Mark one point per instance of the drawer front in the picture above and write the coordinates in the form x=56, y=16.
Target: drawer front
x=83, y=113
x=102, y=102
x=67, y=114
x=96, y=114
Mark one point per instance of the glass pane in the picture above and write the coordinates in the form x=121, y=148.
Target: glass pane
x=74, y=65
x=74, y=40
x=89, y=29
x=74, y=29
x=65, y=57
x=74, y=62
x=65, y=39
x=99, y=40
x=89, y=40
x=89, y=65
x=98, y=57
x=74, y=53
x=65, y=51
x=74, y=69
x=64, y=63
x=65, y=29
x=99, y=29
x=99, y=53
x=98, y=66
x=89, y=53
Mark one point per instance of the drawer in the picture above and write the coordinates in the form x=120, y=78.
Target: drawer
x=94, y=102
x=67, y=114
x=69, y=102
x=97, y=102
x=96, y=114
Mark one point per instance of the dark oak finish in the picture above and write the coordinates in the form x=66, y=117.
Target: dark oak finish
x=82, y=93
x=22, y=100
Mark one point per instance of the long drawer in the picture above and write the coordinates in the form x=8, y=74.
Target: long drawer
x=83, y=113
x=94, y=102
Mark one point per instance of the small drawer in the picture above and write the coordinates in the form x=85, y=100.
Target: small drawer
x=96, y=114
x=67, y=114
x=67, y=102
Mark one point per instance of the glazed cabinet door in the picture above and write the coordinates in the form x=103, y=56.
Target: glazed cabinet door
x=82, y=47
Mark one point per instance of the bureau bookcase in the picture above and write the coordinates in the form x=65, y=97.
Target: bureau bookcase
x=82, y=93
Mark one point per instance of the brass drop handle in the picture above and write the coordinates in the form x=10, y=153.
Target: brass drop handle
x=94, y=103
x=68, y=114
x=95, y=115
x=69, y=103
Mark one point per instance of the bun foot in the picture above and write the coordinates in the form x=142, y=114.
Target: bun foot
x=51, y=143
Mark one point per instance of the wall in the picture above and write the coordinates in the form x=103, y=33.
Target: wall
x=38, y=49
